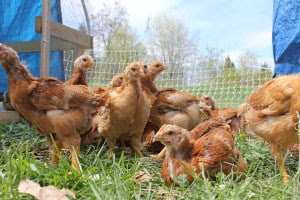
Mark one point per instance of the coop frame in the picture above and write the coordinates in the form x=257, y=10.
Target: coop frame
x=64, y=38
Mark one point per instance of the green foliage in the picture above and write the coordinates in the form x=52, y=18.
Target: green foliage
x=228, y=64
x=104, y=178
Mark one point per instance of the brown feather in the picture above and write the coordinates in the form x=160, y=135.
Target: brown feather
x=50, y=105
x=271, y=113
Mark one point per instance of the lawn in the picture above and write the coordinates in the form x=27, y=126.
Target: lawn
x=104, y=178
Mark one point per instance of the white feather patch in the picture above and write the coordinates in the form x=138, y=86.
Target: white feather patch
x=55, y=112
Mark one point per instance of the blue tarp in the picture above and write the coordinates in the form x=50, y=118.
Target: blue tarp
x=17, y=22
x=286, y=36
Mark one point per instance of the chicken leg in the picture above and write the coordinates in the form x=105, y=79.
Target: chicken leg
x=135, y=142
x=279, y=154
x=111, y=145
x=74, y=156
x=56, y=149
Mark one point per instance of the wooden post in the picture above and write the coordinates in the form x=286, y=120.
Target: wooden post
x=45, y=39
x=78, y=52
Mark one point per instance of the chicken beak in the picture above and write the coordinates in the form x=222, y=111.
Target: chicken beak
x=156, y=138
x=165, y=67
x=94, y=64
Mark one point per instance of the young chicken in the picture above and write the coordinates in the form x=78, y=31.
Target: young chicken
x=213, y=152
x=116, y=81
x=170, y=106
x=126, y=111
x=50, y=105
x=152, y=72
x=271, y=113
x=81, y=66
x=180, y=108
x=175, y=107
x=229, y=116
x=218, y=117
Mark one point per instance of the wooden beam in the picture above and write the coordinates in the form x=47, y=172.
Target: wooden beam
x=66, y=33
x=8, y=116
x=78, y=51
x=45, y=39
x=35, y=46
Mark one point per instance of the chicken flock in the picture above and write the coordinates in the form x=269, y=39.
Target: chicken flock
x=191, y=134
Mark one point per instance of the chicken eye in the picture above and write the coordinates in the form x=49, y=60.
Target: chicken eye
x=84, y=59
x=145, y=66
x=133, y=69
x=157, y=66
x=171, y=133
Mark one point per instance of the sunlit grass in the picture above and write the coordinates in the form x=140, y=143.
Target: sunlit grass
x=113, y=178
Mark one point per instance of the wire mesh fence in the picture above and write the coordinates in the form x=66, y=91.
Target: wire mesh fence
x=228, y=86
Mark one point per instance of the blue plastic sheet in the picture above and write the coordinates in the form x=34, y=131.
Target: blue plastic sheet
x=17, y=22
x=286, y=36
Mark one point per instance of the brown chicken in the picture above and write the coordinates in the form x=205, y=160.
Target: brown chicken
x=147, y=83
x=170, y=106
x=229, y=116
x=50, y=105
x=116, y=81
x=210, y=146
x=218, y=117
x=152, y=72
x=126, y=111
x=81, y=66
x=180, y=108
x=94, y=137
x=271, y=113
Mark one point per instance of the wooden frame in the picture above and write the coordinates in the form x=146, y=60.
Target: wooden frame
x=63, y=38
x=74, y=40
x=8, y=116
x=45, y=39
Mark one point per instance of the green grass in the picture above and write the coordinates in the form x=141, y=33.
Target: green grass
x=116, y=175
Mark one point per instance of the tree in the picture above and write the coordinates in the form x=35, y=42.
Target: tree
x=124, y=38
x=228, y=63
x=109, y=20
x=169, y=41
x=211, y=62
x=117, y=42
x=247, y=60
x=264, y=67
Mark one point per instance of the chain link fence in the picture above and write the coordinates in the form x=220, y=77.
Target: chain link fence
x=228, y=86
